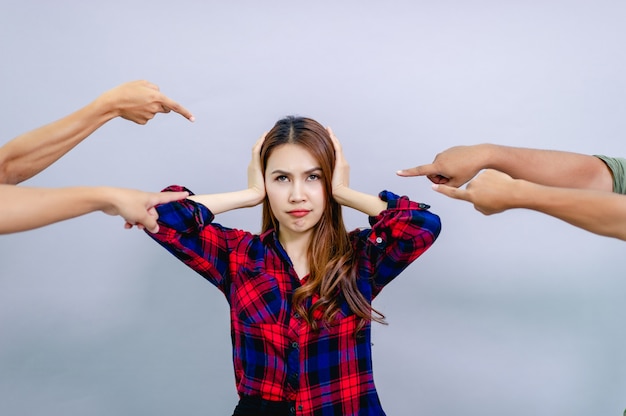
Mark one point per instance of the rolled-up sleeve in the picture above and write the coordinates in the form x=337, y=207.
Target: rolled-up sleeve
x=617, y=165
x=186, y=230
x=398, y=236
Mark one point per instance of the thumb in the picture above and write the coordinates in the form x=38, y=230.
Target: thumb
x=423, y=170
x=150, y=221
x=152, y=228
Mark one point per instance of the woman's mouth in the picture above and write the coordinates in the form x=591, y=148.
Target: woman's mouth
x=298, y=213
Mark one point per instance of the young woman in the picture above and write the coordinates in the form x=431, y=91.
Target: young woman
x=301, y=292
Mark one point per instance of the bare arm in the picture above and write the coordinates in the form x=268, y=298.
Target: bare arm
x=457, y=165
x=599, y=212
x=30, y=153
x=24, y=208
x=371, y=205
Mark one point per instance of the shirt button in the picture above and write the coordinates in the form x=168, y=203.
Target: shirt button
x=379, y=240
x=296, y=315
x=299, y=407
x=294, y=345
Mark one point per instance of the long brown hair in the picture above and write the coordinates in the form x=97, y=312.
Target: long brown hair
x=332, y=269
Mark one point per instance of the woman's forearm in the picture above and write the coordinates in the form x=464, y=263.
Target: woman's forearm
x=219, y=203
x=368, y=204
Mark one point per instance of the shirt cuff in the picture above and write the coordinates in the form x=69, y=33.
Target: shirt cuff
x=395, y=201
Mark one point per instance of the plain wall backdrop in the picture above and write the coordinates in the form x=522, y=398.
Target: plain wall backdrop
x=516, y=314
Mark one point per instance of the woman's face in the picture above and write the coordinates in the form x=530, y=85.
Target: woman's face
x=295, y=190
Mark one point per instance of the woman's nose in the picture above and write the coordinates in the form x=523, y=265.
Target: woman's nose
x=296, y=194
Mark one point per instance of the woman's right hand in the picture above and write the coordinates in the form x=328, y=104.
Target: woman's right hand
x=256, y=181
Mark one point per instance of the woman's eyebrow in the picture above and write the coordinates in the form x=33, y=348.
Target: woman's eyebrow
x=284, y=172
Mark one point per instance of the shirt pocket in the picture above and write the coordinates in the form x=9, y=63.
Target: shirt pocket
x=258, y=298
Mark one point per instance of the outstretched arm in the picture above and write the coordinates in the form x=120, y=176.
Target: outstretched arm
x=24, y=208
x=252, y=196
x=30, y=153
x=457, y=165
x=599, y=212
x=368, y=204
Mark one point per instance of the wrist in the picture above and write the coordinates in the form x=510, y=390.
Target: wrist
x=105, y=107
x=253, y=197
x=103, y=198
x=341, y=194
x=371, y=205
x=523, y=194
x=490, y=155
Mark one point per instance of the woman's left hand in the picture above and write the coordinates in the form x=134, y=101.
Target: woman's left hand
x=341, y=174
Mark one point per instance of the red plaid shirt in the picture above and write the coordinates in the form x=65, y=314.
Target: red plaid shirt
x=276, y=355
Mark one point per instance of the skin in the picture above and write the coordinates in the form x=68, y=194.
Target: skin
x=600, y=212
x=572, y=187
x=290, y=185
x=295, y=191
x=29, y=208
x=23, y=157
x=458, y=165
x=346, y=196
x=297, y=199
x=30, y=153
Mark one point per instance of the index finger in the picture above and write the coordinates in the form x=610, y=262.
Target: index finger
x=174, y=106
x=423, y=170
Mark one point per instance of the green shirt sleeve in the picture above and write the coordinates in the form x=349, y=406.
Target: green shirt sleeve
x=618, y=168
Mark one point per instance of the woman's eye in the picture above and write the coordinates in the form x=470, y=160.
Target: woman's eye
x=314, y=177
x=281, y=178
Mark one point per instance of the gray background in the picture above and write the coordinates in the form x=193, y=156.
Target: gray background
x=516, y=314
